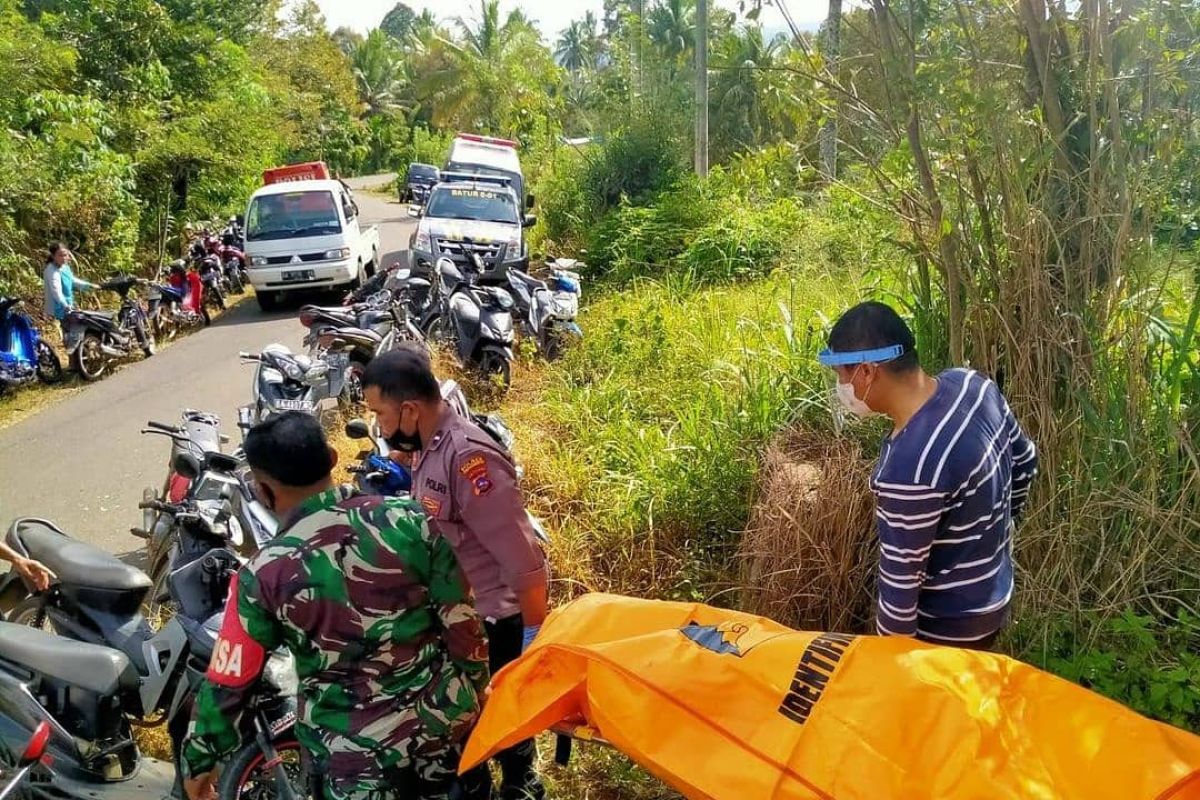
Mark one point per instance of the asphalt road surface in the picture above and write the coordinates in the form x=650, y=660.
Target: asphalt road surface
x=82, y=462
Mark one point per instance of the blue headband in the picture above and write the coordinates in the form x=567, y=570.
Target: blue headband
x=829, y=358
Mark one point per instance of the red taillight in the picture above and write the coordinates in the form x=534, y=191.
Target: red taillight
x=307, y=318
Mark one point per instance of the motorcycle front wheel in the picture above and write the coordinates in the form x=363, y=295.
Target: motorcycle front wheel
x=248, y=777
x=49, y=367
x=495, y=366
x=89, y=359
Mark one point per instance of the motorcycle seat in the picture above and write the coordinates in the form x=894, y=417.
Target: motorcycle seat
x=353, y=332
x=75, y=563
x=527, y=279
x=98, y=316
x=91, y=667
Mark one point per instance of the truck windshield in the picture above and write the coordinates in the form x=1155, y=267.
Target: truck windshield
x=484, y=205
x=292, y=215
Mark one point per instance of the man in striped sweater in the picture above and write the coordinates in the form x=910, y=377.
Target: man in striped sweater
x=952, y=478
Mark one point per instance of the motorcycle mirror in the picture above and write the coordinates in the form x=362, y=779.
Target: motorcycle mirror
x=37, y=745
x=187, y=465
x=414, y=211
x=358, y=429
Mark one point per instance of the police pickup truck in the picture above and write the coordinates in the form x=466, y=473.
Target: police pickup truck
x=471, y=213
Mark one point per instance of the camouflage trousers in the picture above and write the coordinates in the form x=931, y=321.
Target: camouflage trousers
x=429, y=774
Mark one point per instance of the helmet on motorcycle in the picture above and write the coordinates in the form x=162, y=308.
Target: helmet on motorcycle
x=178, y=266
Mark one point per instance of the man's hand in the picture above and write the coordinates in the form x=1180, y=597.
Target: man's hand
x=201, y=787
x=402, y=458
x=35, y=573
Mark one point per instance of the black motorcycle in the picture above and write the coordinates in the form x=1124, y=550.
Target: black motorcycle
x=96, y=339
x=475, y=321
x=82, y=658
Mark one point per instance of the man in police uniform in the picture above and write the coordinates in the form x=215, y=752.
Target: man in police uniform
x=468, y=487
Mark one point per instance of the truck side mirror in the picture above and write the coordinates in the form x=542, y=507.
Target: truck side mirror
x=530, y=200
x=529, y=221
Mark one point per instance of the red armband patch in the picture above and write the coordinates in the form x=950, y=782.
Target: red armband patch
x=237, y=659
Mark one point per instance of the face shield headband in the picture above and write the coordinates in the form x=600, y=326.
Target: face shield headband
x=849, y=358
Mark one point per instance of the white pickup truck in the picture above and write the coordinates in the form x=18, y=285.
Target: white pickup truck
x=305, y=234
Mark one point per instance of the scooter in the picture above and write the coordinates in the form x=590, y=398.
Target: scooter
x=103, y=668
x=376, y=473
x=548, y=308
x=24, y=354
x=476, y=321
x=287, y=381
x=97, y=339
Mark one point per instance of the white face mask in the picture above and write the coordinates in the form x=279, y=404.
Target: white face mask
x=850, y=401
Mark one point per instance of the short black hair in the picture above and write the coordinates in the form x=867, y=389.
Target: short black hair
x=871, y=325
x=404, y=373
x=54, y=248
x=289, y=447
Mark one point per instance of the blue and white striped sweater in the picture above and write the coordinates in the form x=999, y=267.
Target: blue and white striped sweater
x=949, y=488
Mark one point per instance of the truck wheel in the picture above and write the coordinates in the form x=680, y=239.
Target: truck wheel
x=266, y=300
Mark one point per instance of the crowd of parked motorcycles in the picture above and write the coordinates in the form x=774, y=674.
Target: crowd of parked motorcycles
x=110, y=647
x=150, y=311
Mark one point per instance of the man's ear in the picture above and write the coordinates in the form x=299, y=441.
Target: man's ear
x=333, y=459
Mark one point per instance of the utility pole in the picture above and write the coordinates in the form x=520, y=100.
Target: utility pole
x=702, y=88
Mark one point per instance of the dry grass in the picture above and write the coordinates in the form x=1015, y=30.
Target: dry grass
x=808, y=550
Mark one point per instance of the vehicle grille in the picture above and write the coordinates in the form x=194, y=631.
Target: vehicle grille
x=304, y=257
x=456, y=251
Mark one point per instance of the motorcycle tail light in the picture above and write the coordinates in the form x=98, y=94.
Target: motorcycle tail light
x=307, y=318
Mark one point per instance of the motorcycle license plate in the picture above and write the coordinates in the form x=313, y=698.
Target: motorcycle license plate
x=338, y=360
x=295, y=405
x=296, y=275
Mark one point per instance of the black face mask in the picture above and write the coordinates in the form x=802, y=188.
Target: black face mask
x=404, y=442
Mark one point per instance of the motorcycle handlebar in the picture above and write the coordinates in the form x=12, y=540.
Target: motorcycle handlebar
x=158, y=505
x=162, y=426
x=249, y=356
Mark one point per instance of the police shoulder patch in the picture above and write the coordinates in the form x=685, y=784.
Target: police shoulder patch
x=474, y=468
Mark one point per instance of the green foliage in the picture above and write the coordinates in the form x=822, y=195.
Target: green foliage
x=1150, y=665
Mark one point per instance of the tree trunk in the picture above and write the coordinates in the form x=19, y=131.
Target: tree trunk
x=830, y=48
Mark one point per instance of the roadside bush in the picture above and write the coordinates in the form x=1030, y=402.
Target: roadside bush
x=648, y=439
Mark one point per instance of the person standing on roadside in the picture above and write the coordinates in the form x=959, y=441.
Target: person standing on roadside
x=468, y=487
x=950, y=485
x=59, y=284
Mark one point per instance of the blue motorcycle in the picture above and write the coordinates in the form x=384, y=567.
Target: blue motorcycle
x=24, y=355
x=376, y=473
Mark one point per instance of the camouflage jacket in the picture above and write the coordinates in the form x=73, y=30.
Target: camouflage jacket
x=389, y=649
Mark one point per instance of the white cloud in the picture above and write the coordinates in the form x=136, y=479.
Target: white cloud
x=551, y=15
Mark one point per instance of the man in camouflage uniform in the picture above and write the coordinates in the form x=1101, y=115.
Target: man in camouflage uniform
x=391, y=655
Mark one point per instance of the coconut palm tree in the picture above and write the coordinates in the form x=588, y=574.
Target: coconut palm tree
x=573, y=51
x=379, y=71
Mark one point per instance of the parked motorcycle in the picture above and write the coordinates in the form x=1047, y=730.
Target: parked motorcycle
x=97, y=339
x=228, y=249
x=208, y=265
x=168, y=312
x=183, y=522
x=287, y=381
x=476, y=321
x=547, y=309
x=24, y=354
x=376, y=473
x=81, y=657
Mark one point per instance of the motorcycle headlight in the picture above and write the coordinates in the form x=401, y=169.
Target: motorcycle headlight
x=258, y=261
x=337, y=255
x=280, y=672
x=423, y=241
x=566, y=305
x=293, y=371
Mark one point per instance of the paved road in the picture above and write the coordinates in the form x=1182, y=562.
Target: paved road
x=82, y=462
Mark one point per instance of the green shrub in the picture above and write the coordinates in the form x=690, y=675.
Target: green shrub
x=1149, y=665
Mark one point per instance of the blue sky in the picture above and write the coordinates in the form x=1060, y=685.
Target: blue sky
x=552, y=15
